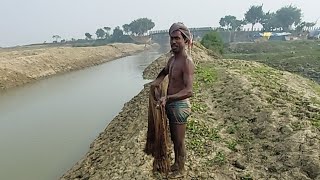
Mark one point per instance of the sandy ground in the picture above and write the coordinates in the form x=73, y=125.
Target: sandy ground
x=24, y=65
x=249, y=122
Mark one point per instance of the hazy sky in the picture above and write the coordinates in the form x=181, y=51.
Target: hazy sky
x=34, y=21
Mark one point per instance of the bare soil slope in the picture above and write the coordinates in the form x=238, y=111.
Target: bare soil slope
x=249, y=121
x=22, y=66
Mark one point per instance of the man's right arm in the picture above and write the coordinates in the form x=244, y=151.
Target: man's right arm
x=162, y=74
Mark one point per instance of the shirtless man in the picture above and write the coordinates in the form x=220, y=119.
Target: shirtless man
x=180, y=69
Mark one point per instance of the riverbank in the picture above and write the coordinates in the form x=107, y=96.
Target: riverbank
x=25, y=65
x=249, y=121
x=299, y=57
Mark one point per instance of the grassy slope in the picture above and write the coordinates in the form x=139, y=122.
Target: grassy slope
x=250, y=121
x=248, y=116
x=302, y=57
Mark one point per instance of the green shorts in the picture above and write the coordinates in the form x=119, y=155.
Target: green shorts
x=178, y=111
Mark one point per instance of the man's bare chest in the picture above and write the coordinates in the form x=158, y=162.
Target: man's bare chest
x=176, y=70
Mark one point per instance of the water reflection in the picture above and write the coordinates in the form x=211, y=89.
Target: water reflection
x=47, y=126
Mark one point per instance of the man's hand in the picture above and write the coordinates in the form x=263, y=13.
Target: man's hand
x=163, y=101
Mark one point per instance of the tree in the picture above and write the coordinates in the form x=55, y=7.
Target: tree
x=88, y=36
x=269, y=21
x=227, y=21
x=310, y=24
x=100, y=33
x=230, y=22
x=107, y=30
x=141, y=26
x=117, y=34
x=56, y=37
x=287, y=16
x=254, y=15
x=236, y=24
x=303, y=25
x=126, y=28
x=223, y=23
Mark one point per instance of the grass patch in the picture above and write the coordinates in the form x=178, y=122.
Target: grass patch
x=200, y=135
x=316, y=88
x=232, y=129
x=316, y=123
x=266, y=75
x=197, y=128
x=296, y=126
x=220, y=158
x=301, y=57
x=199, y=107
x=232, y=145
x=272, y=47
x=246, y=177
x=206, y=74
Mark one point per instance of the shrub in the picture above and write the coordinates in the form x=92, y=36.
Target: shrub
x=213, y=41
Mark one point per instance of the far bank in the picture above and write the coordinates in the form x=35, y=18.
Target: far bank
x=21, y=66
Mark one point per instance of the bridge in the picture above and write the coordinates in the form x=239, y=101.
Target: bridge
x=162, y=36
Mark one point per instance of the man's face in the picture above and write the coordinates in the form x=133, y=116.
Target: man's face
x=177, y=42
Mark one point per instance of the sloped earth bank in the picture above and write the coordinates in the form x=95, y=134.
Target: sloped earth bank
x=22, y=66
x=300, y=57
x=249, y=121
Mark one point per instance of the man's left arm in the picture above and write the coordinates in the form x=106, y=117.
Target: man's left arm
x=186, y=92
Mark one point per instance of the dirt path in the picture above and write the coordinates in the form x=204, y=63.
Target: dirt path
x=21, y=66
x=249, y=121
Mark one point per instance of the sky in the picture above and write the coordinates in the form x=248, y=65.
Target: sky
x=35, y=21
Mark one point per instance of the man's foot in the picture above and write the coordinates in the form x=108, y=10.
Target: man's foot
x=174, y=167
x=177, y=174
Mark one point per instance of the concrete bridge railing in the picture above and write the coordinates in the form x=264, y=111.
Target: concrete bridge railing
x=162, y=36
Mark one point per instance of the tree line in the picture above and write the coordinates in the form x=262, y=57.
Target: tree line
x=137, y=27
x=284, y=19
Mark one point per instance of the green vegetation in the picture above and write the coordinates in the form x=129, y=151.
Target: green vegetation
x=138, y=27
x=204, y=76
x=213, y=41
x=220, y=158
x=301, y=57
x=232, y=129
x=254, y=15
x=232, y=145
x=287, y=16
x=246, y=114
x=231, y=22
x=281, y=20
x=246, y=177
x=199, y=135
x=316, y=122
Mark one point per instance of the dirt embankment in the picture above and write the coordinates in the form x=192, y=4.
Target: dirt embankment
x=22, y=66
x=249, y=122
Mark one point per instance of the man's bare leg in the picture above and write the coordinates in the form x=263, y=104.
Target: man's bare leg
x=178, y=138
x=173, y=132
